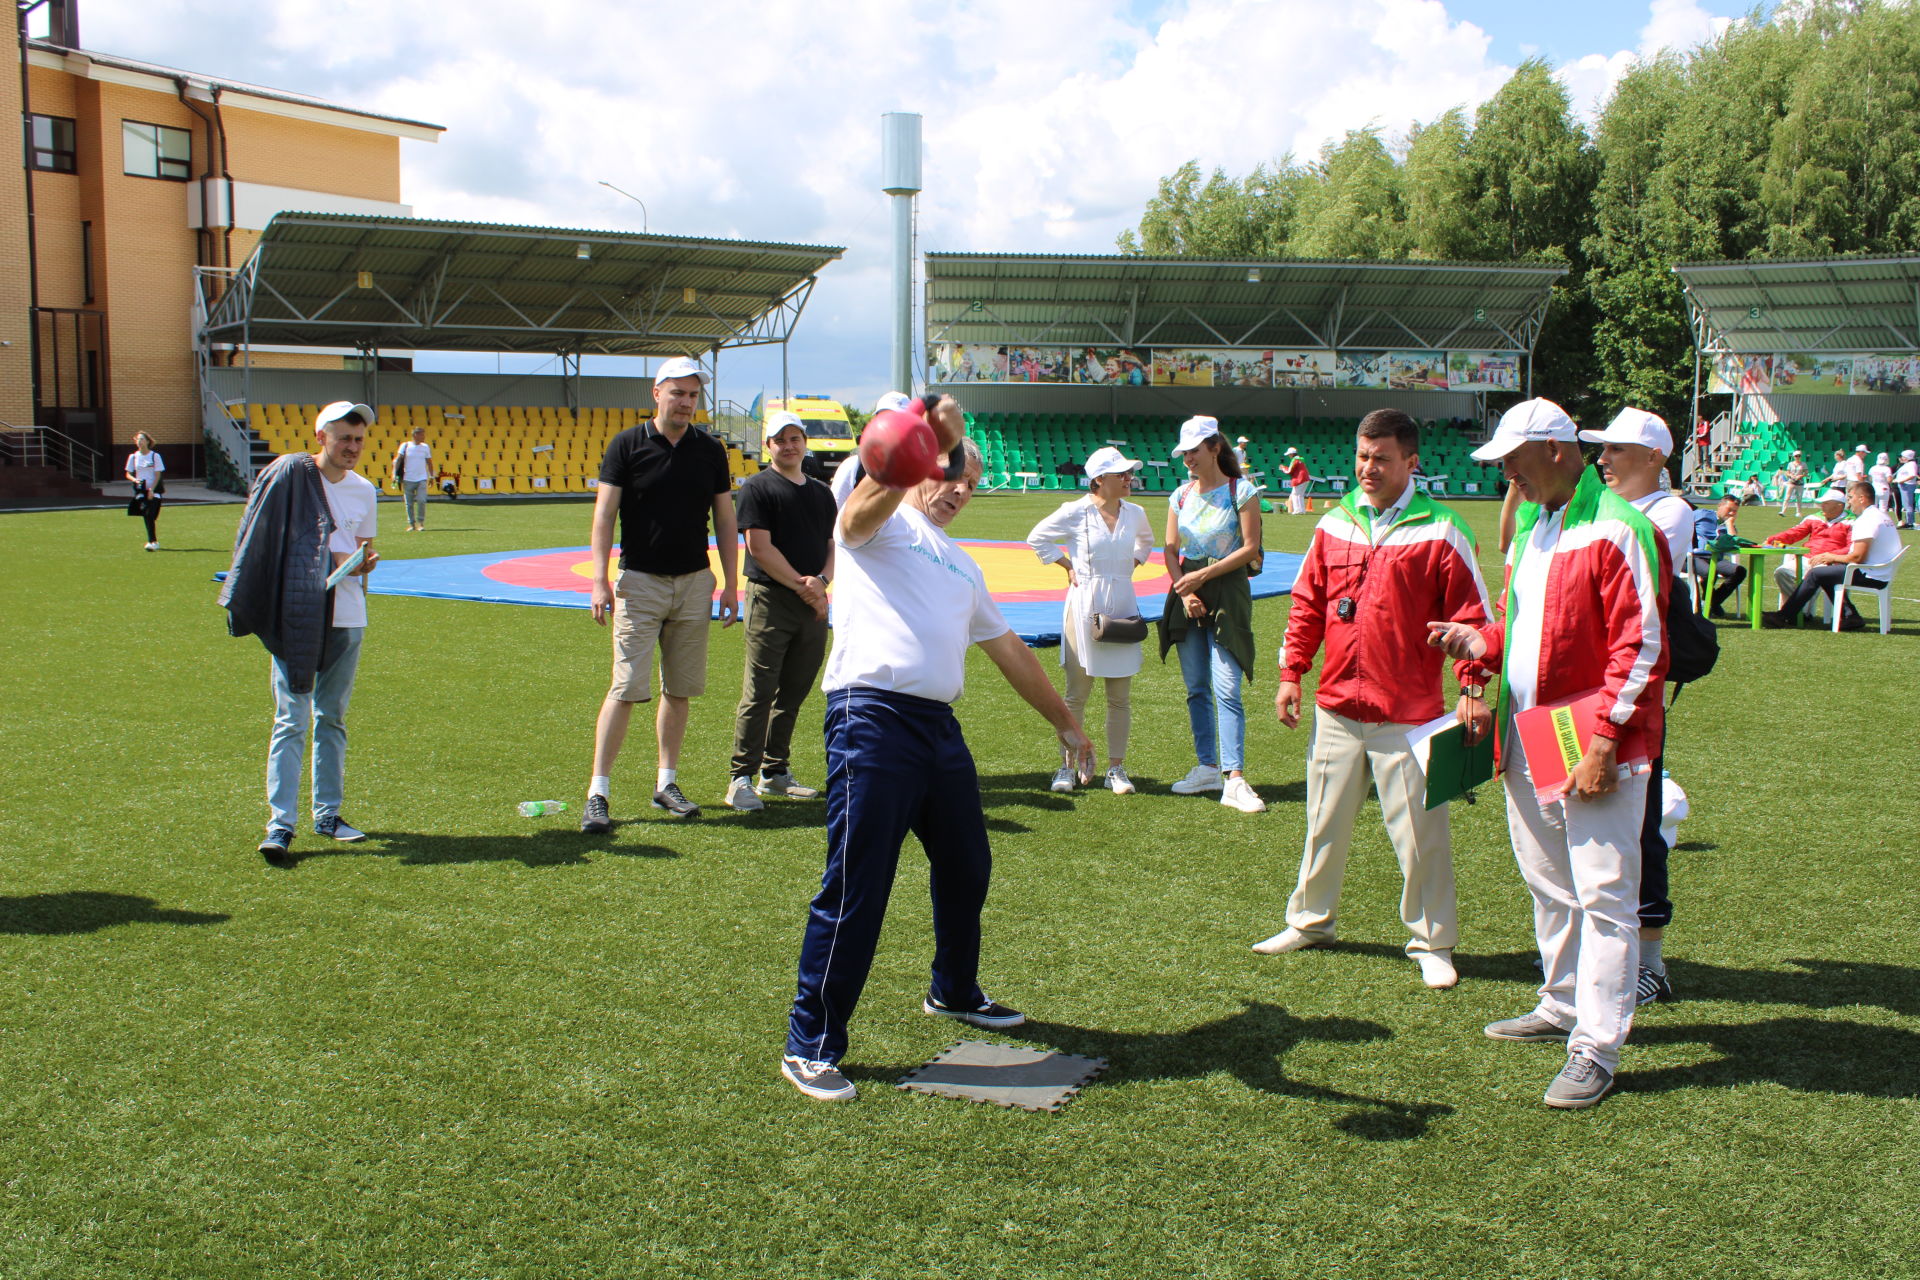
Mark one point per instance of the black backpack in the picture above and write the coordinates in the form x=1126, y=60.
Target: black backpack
x=1693, y=646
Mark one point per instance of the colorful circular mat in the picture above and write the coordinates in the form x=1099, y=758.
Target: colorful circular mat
x=1028, y=592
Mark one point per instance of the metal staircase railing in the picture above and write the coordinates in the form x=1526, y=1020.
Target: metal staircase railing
x=45, y=447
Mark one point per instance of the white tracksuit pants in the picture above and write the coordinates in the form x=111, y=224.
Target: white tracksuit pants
x=1581, y=862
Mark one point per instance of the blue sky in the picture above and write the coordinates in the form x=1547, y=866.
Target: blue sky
x=1047, y=125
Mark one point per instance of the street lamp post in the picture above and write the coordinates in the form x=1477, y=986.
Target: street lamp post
x=646, y=363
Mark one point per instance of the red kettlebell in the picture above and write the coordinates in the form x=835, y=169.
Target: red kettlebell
x=898, y=449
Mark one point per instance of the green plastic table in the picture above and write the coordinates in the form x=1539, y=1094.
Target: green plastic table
x=1756, y=572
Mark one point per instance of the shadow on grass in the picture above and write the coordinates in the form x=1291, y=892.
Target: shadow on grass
x=1034, y=791
x=553, y=847
x=1817, y=984
x=1807, y=1055
x=1249, y=1045
x=1510, y=966
x=88, y=910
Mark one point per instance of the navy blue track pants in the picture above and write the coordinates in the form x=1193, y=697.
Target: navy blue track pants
x=895, y=763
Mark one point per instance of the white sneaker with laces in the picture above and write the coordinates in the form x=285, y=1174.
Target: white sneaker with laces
x=1436, y=969
x=1118, y=782
x=1237, y=794
x=1202, y=777
x=1063, y=779
x=1288, y=939
x=740, y=796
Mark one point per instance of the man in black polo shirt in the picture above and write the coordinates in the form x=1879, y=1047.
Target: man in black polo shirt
x=788, y=519
x=662, y=478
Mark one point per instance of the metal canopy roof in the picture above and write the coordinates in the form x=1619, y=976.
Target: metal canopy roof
x=465, y=286
x=1036, y=299
x=1811, y=304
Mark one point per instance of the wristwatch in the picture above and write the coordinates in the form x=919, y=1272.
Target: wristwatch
x=1475, y=691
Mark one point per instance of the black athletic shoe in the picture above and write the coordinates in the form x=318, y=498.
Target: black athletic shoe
x=1652, y=986
x=277, y=848
x=1774, y=620
x=596, y=821
x=990, y=1014
x=675, y=802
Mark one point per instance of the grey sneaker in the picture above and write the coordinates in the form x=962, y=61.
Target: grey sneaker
x=596, y=821
x=820, y=1080
x=990, y=1014
x=740, y=795
x=675, y=801
x=1528, y=1026
x=782, y=784
x=335, y=829
x=1581, y=1083
x=1118, y=782
x=1063, y=779
x=1652, y=986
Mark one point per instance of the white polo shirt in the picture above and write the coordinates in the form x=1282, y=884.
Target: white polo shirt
x=1877, y=525
x=906, y=605
x=414, y=460
x=355, y=505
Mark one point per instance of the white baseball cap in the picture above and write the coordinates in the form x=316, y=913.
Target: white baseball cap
x=680, y=367
x=1536, y=419
x=1242, y=440
x=1796, y=453
x=780, y=421
x=1881, y=460
x=343, y=409
x=1193, y=431
x=1634, y=426
x=1833, y=495
x=1107, y=460
x=896, y=400
x=1906, y=455
x=1859, y=448
x=1291, y=451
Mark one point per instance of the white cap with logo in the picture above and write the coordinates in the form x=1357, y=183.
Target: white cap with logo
x=680, y=367
x=895, y=400
x=1292, y=452
x=1529, y=420
x=1833, y=495
x=343, y=409
x=1634, y=426
x=780, y=421
x=1105, y=461
x=1193, y=431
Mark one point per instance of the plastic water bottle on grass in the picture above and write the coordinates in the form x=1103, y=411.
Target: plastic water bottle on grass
x=541, y=808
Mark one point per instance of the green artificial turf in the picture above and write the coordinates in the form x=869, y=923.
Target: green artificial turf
x=484, y=1046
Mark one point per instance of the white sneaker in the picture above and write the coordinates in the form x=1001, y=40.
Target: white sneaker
x=1063, y=779
x=1436, y=969
x=1118, y=782
x=740, y=796
x=1288, y=939
x=1238, y=795
x=152, y=546
x=1202, y=777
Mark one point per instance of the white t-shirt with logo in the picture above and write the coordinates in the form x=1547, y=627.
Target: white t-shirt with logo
x=355, y=505
x=1526, y=624
x=146, y=470
x=906, y=605
x=413, y=461
x=1854, y=467
x=1878, y=525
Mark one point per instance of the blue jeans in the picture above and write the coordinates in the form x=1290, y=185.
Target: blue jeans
x=325, y=709
x=1907, y=491
x=1213, y=700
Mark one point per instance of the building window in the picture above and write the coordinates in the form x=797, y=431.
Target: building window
x=156, y=151
x=50, y=143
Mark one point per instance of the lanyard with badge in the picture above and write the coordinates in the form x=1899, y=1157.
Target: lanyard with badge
x=1347, y=607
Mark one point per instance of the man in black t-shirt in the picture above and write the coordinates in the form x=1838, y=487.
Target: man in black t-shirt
x=788, y=519
x=662, y=479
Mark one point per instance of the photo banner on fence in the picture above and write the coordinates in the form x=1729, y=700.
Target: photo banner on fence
x=1816, y=373
x=951, y=363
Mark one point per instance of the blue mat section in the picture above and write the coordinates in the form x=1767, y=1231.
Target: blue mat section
x=515, y=581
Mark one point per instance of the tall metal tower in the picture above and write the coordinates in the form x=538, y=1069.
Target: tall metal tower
x=900, y=178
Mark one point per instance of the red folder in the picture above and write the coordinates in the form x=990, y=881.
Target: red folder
x=1556, y=736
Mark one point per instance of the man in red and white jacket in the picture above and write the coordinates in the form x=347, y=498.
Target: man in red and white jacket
x=1585, y=609
x=1381, y=564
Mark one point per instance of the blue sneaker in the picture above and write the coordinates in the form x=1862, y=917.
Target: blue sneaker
x=335, y=829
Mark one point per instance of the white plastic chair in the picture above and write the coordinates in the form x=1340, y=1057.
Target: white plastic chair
x=1883, y=571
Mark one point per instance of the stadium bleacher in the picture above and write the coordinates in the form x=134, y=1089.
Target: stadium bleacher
x=1773, y=443
x=1027, y=450
x=492, y=449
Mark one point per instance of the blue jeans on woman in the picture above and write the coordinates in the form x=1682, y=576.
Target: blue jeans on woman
x=1213, y=700
x=325, y=709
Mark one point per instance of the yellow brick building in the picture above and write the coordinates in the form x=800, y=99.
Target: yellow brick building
x=133, y=175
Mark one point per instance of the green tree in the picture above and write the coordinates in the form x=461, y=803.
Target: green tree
x=1351, y=207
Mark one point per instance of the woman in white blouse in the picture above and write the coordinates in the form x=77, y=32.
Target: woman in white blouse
x=1100, y=539
x=144, y=468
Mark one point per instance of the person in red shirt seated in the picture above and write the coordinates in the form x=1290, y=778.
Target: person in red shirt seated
x=1830, y=532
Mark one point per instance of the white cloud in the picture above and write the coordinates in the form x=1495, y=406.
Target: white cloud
x=1672, y=25
x=1047, y=124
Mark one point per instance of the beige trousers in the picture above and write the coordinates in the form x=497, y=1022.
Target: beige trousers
x=1119, y=701
x=1341, y=756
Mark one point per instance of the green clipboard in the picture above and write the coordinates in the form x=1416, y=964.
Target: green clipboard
x=1453, y=767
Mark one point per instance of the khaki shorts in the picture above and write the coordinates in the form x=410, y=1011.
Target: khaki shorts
x=672, y=610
